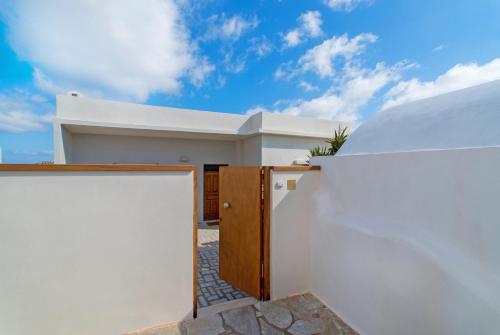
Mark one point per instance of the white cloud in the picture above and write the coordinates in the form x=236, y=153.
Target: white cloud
x=350, y=90
x=261, y=46
x=236, y=26
x=344, y=102
x=311, y=23
x=284, y=70
x=235, y=64
x=199, y=73
x=344, y=5
x=292, y=38
x=320, y=59
x=229, y=28
x=439, y=48
x=255, y=110
x=22, y=112
x=123, y=48
x=308, y=87
x=309, y=26
x=458, y=77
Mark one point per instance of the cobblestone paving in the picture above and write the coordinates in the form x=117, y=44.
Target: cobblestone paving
x=298, y=315
x=211, y=289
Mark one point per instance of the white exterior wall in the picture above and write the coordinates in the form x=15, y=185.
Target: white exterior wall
x=283, y=150
x=94, y=252
x=466, y=118
x=63, y=144
x=282, y=124
x=88, y=148
x=251, y=152
x=291, y=216
x=409, y=243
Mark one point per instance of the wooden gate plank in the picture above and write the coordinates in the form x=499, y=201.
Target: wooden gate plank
x=240, y=228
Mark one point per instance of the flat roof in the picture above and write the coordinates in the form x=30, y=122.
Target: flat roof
x=96, y=116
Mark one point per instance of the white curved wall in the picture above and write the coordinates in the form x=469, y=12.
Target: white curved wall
x=468, y=118
x=409, y=243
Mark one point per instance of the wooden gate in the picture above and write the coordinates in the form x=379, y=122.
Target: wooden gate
x=241, y=211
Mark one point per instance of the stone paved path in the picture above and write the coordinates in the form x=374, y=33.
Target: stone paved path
x=298, y=315
x=211, y=289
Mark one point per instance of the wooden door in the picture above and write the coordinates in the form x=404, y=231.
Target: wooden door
x=211, y=195
x=240, y=244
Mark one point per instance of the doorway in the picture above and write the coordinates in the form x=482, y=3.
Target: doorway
x=211, y=192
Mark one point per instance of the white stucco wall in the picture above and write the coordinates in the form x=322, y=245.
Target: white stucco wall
x=291, y=217
x=94, y=252
x=283, y=150
x=466, y=118
x=251, y=151
x=63, y=144
x=409, y=243
x=283, y=124
x=89, y=148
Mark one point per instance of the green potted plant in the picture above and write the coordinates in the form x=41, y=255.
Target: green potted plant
x=340, y=135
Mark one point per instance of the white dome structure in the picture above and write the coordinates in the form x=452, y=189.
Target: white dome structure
x=468, y=118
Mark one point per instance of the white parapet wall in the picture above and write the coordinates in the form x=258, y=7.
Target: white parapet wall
x=88, y=252
x=409, y=242
x=291, y=219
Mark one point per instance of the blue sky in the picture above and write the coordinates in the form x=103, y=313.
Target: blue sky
x=333, y=59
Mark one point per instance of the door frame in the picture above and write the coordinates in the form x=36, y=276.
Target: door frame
x=265, y=211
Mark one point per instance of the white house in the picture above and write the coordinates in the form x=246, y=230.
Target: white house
x=98, y=131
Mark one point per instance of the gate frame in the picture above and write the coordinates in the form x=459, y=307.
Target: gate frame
x=265, y=224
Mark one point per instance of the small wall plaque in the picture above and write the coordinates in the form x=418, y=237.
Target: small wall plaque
x=291, y=184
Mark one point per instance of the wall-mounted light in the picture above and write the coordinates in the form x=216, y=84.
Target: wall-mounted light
x=184, y=159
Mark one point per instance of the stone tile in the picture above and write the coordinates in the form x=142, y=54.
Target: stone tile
x=211, y=325
x=267, y=329
x=242, y=320
x=302, y=327
x=316, y=319
x=302, y=306
x=275, y=314
x=327, y=317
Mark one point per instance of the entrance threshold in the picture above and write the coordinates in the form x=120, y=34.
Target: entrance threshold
x=225, y=306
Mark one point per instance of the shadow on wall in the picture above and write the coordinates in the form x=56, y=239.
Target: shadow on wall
x=407, y=243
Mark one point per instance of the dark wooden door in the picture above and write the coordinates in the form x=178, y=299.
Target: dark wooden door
x=211, y=195
x=240, y=243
